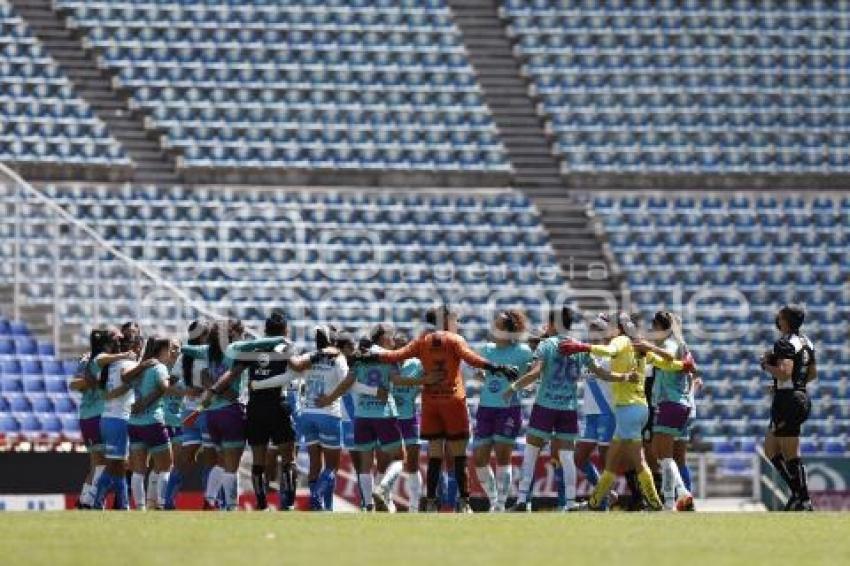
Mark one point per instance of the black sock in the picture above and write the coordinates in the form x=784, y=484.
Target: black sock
x=435, y=470
x=657, y=480
x=800, y=484
x=461, y=476
x=258, y=480
x=632, y=482
x=288, y=483
x=781, y=466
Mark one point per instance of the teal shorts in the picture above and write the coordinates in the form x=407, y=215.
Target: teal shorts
x=630, y=421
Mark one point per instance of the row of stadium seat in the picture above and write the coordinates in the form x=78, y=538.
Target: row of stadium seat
x=645, y=88
x=389, y=251
x=41, y=118
x=191, y=67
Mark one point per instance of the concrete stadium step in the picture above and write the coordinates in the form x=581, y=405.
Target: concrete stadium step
x=95, y=86
x=537, y=171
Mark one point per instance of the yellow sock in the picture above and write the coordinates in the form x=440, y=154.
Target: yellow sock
x=647, y=486
x=602, y=488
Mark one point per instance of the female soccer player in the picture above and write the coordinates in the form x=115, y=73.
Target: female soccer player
x=321, y=426
x=188, y=373
x=499, y=419
x=628, y=369
x=672, y=396
x=105, y=345
x=408, y=423
x=147, y=430
x=553, y=418
x=268, y=417
x=445, y=415
x=227, y=360
x=599, y=421
x=376, y=427
x=792, y=366
x=119, y=398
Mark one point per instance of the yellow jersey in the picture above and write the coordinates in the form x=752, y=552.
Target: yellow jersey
x=624, y=360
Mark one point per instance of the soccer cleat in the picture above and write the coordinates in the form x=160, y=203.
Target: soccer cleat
x=210, y=506
x=369, y=508
x=379, y=503
x=804, y=505
x=792, y=503
x=570, y=507
x=463, y=506
x=498, y=508
x=685, y=503
x=520, y=507
x=431, y=506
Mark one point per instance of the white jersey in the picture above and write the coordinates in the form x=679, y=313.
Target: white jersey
x=322, y=379
x=198, y=367
x=119, y=407
x=598, y=391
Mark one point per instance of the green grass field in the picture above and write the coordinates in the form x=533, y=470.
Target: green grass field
x=248, y=539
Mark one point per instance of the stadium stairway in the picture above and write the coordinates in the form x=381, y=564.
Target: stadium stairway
x=579, y=245
x=152, y=165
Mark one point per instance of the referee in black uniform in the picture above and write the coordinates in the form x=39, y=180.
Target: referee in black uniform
x=270, y=419
x=791, y=363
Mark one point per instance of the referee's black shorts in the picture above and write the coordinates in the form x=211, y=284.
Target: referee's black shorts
x=788, y=412
x=269, y=422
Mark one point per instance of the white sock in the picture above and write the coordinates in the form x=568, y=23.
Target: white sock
x=391, y=475
x=568, y=464
x=366, y=486
x=488, y=482
x=672, y=483
x=162, y=487
x=153, y=488
x=85, y=494
x=95, y=477
x=214, y=484
x=230, y=483
x=504, y=479
x=529, y=461
x=414, y=486
x=137, y=486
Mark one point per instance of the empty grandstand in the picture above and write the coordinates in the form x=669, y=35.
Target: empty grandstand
x=357, y=161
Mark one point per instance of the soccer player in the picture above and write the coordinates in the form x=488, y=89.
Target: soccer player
x=498, y=420
x=554, y=417
x=269, y=417
x=408, y=423
x=672, y=395
x=105, y=345
x=188, y=373
x=629, y=356
x=598, y=407
x=119, y=398
x=227, y=360
x=376, y=430
x=321, y=425
x=792, y=365
x=147, y=430
x=445, y=416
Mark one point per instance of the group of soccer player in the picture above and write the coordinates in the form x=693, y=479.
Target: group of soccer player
x=151, y=409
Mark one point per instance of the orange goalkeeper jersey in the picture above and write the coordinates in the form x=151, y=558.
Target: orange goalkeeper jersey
x=440, y=353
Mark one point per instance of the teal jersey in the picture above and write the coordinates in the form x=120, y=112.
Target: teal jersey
x=558, y=387
x=495, y=385
x=233, y=352
x=673, y=386
x=173, y=407
x=152, y=379
x=93, y=400
x=374, y=375
x=405, y=395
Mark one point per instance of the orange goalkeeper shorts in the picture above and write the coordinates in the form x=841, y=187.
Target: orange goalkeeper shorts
x=444, y=419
